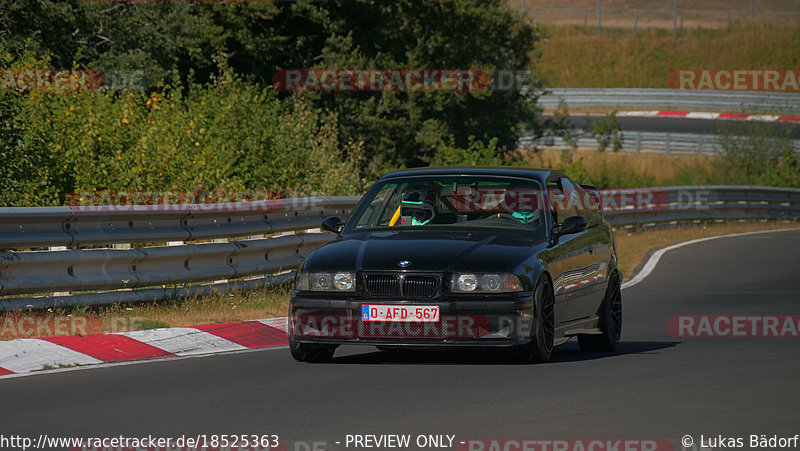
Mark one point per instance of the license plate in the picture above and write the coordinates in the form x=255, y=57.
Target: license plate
x=400, y=313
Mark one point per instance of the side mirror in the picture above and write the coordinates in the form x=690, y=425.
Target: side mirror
x=332, y=224
x=573, y=224
x=594, y=193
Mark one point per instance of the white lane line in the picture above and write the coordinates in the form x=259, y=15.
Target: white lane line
x=30, y=354
x=653, y=260
x=184, y=341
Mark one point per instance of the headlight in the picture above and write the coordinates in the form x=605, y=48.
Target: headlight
x=343, y=281
x=326, y=281
x=466, y=282
x=485, y=283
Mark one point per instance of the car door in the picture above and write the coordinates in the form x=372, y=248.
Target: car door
x=570, y=254
x=578, y=266
x=599, y=249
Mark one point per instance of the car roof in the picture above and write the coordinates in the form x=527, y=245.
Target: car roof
x=509, y=171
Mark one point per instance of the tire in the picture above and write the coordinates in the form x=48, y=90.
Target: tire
x=311, y=352
x=610, y=321
x=540, y=348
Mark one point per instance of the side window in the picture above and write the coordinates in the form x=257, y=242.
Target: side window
x=566, y=199
x=572, y=195
x=391, y=206
x=556, y=199
x=582, y=203
x=370, y=215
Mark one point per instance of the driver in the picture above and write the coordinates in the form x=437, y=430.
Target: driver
x=417, y=208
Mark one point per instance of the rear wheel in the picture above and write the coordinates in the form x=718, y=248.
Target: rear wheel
x=540, y=348
x=311, y=352
x=610, y=321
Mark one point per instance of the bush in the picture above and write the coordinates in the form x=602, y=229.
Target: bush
x=759, y=154
x=223, y=135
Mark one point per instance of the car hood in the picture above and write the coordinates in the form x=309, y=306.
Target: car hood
x=426, y=251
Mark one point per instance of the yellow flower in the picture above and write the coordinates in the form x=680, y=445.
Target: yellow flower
x=71, y=108
x=99, y=138
x=197, y=143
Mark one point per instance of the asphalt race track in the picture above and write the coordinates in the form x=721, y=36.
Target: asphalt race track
x=657, y=386
x=684, y=125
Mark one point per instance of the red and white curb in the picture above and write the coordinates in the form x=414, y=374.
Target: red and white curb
x=711, y=116
x=30, y=355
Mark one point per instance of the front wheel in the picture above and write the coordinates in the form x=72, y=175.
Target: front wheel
x=610, y=321
x=311, y=352
x=540, y=348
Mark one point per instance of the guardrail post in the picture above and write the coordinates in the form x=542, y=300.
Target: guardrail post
x=667, y=143
x=585, y=17
x=674, y=16
x=700, y=145
x=636, y=20
x=59, y=248
x=638, y=142
x=599, y=17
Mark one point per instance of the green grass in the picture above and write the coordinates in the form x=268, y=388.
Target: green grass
x=722, y=5
x=149, y=324
x=578, y=57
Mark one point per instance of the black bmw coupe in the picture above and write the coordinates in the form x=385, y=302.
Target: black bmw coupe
x=508, y=258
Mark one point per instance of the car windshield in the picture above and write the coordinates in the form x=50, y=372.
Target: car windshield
x=454, y=202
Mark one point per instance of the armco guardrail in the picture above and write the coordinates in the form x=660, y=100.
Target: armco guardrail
x=684, y=100
x=645, y=142
x=85, y=225
x=687, y=204
x=154, y=272
x=162, y=267
x=659, y=18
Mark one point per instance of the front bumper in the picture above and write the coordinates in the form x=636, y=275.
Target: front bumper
x=498, y=321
